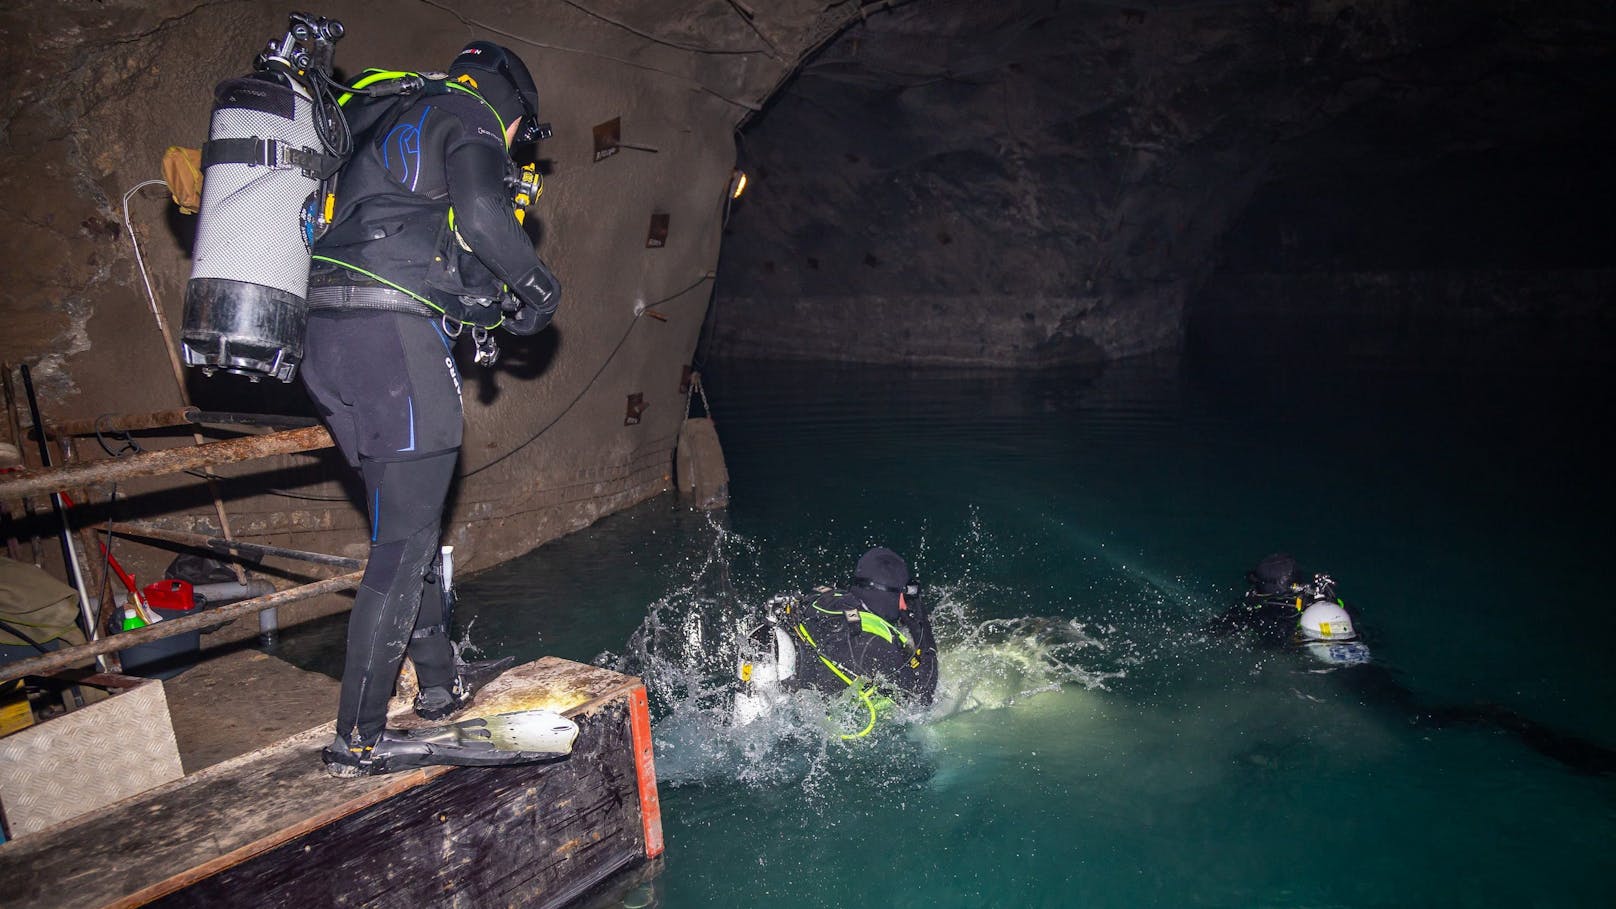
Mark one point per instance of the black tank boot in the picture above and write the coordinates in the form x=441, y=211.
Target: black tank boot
x=346, y=761
x=437, y=703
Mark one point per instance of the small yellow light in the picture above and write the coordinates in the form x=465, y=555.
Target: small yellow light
x=737, y=184
x=746, y=672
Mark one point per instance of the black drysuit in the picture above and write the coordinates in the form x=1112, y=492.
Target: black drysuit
x=1269, y=617
x=389, y=277
x=903, y=668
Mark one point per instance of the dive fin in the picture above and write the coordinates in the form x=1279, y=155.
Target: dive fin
x=522, y=737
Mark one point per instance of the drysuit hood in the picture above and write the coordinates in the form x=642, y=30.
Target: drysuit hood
x=881, y=576
x=882, y=568
x=504, y=82
x=1273, y=574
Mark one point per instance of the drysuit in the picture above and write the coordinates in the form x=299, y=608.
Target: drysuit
x=1269, y=613
x=874, y=636
x=423, y=243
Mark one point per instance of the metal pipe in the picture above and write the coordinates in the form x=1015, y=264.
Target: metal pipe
x=225, y=547
x=100, y=569
x=82, y=653
x=161, y=463
x=122, y=422
x=69, y=554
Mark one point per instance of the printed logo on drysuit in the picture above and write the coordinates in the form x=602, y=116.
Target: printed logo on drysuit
x=448, y=358
x=454, y=374
x=401, y=150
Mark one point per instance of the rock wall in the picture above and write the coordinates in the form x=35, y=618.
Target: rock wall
x=1033, y=183
x=100, y=89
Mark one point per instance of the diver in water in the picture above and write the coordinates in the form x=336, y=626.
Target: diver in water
x=1281, y=610
x=424, y=243
x=872, y=638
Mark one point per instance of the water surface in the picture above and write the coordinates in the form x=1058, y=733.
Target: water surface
x=1076, y=531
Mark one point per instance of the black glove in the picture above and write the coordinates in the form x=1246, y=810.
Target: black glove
x=537, y=294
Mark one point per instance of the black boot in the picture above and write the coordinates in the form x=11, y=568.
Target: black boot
x=437, y=703
x=344, y=760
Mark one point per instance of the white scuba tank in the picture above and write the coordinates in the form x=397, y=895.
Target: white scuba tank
x=768, y=658
x=1326, y=632
x=246, y=302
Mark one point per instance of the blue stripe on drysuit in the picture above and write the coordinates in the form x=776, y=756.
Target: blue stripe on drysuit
x=409, y=403
x=406, y=139
x=375, y=513
x=443, y=337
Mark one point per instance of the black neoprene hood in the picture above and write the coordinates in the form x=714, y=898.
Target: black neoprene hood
x=503, y=81
x=884, y=567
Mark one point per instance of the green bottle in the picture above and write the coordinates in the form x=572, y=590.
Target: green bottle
x=132, y=619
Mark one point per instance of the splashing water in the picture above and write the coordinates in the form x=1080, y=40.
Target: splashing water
x=686, y=649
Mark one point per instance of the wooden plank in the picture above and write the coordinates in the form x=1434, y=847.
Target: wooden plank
x=231, y=818
x=39, y=480
x=535, y=835
x=645, y=771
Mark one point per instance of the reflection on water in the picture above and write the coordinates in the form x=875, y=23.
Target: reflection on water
x=1092, y=745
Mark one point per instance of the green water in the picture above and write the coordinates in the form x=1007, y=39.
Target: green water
x=1096, y=748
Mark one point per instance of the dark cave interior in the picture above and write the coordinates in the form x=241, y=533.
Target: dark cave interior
x=1095, y=171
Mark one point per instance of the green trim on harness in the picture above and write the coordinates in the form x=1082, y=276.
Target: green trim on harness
x=871, y=623
x=371, y=77
x=376, y=75
x=864, y=689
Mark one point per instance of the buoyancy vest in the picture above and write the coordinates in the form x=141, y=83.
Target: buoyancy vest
x=837, y=630
x=392, y=224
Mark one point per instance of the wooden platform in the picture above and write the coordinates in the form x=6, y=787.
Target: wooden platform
x=270, y=828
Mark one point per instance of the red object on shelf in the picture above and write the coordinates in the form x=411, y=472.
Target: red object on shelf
x=169, y=594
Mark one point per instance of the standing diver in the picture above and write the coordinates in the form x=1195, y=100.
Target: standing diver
x=423, y=244
x=873, y=638
x=1281, y=610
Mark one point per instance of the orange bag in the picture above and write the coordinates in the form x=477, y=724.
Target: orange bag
x=182, y=171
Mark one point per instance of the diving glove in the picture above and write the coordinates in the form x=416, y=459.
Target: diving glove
x=539, y=293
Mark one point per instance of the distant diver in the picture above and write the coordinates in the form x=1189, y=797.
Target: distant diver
x=872, y=639
x=1279, y=610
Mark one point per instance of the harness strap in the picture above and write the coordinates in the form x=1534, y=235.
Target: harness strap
x=271, y=153
x=348, y=297
x=429, y=631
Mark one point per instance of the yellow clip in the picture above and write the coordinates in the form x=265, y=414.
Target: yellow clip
x=465, y=79
x=746, y=672
x=1298, y=604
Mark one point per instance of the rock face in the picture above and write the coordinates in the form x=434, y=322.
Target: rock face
x=98, y=90
x=1035, y=183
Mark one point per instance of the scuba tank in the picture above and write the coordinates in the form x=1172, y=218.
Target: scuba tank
x=275, y=138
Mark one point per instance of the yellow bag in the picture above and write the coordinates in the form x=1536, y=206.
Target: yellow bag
x=182, y=170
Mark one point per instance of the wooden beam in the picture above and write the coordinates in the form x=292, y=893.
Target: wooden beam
x=83, y=653
x=38, y=481
x=271, y=829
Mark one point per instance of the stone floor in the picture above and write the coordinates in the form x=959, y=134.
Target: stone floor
x=241, y=701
